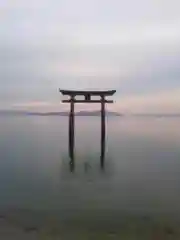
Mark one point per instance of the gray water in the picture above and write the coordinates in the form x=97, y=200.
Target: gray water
x=141, y=175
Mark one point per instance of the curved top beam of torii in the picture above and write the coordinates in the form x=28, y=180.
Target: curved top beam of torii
x=94, y=93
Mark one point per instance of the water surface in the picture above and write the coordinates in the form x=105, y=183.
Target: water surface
x=141, y=175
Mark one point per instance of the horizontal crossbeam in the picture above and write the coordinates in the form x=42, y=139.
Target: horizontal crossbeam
x=85, y=93
x=87, y=101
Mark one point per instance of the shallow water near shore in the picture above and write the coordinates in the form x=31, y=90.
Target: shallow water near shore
x=136, y=196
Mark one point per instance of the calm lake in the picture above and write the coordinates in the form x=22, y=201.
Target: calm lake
x=141, y=175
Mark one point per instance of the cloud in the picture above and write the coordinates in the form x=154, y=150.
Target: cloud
x=161, y=102
x=37, y=73
x=33, y=104
x=130, y=46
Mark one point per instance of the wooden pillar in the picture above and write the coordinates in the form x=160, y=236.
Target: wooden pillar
x=103, y=130
x=71, y=131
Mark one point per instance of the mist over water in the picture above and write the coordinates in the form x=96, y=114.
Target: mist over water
x=141, y=175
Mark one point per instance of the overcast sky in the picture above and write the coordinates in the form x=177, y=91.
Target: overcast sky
x=131, y=46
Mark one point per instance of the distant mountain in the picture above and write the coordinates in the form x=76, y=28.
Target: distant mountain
x=81, y=113
x=97, y=113
x=157, y=115
x=11, y=112
x=84, y=113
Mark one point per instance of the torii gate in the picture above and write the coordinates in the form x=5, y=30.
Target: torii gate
x=87, y=99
